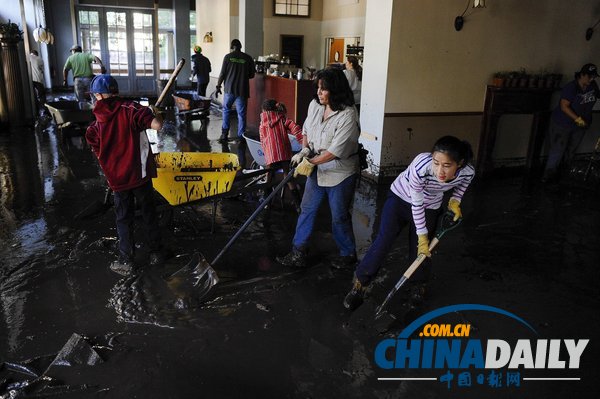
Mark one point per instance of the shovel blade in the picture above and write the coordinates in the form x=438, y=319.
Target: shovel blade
x=200, y=273
x=205, y=277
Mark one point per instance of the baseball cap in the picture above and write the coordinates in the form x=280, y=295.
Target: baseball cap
x=75, y=47
x=197, y=49
x=104, y=84
x=589, y=69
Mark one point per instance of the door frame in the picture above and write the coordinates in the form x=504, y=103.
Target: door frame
x=130, y=84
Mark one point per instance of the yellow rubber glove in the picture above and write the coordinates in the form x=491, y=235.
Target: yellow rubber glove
x=305, y=168
x=454, y=206
x=580, y=122
x=423, y=246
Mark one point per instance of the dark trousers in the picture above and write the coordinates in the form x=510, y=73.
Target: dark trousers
x=563, y=144
x=125, y=215
x=396, y=214
x=201, y=88
x=40, y=96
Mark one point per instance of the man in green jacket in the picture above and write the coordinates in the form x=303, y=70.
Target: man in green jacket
x=81, y=64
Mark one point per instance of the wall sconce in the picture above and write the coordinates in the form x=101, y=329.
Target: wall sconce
x=460, y=20
x=590, y=31
x=208, y=37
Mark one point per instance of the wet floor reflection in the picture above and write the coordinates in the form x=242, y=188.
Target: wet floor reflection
x=60, y=161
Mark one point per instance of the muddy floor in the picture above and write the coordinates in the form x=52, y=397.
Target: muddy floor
x=72, y=328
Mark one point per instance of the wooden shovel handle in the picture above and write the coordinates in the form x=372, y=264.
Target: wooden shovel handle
x=178, y=68
x=411, y=269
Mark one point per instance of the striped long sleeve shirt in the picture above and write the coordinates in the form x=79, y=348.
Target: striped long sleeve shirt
x=274, y=129
x=418, y=186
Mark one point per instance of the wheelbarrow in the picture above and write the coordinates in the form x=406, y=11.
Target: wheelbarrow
x=70, y=113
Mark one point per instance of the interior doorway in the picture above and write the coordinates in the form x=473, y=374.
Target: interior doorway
x=336, y=49
x=124, y=40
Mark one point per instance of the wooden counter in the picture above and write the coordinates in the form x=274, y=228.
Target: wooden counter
x=295, y=94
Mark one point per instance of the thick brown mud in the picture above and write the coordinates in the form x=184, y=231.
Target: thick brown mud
x=265, y=330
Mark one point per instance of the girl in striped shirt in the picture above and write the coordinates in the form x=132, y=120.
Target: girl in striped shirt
x=415, y=198
x=274, y=129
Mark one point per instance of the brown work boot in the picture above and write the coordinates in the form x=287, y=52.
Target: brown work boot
x=356, y=296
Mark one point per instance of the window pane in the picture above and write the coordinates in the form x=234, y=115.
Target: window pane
x=117, y=43
x=165, y=19
x=89, y=35
x=292, y=7
x=192, y=20
x=143, y=49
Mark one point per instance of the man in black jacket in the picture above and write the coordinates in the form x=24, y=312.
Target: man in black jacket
x=201, y=68
x=236, y=72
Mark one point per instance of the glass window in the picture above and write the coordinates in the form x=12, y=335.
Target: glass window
x=166, y=38
x=142, y=44
x=165, y=19
x=89, y=35
x=117, y=43
x=292, y=8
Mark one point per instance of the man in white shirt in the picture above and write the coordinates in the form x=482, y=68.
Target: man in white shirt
x=37, y=76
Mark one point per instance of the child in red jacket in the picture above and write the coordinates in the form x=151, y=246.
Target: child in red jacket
x=274, y=129
x=118, y=139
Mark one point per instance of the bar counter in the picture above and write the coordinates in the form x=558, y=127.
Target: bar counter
x=295, y=94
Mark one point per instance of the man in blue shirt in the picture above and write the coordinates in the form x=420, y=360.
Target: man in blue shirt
x=571, y=118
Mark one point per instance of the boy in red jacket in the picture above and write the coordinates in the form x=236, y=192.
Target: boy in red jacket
x=118, y=139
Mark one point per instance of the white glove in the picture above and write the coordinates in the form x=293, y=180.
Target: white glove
x=296, y=159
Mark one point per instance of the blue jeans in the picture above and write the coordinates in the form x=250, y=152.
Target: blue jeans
x=240, y=106
x=125, y=215
x=340, y=199
x=82, y=89
x=396, y=214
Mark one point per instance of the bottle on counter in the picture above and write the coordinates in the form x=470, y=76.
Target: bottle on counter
x=300, y=74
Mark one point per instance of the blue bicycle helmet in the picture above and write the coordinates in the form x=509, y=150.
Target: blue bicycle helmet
x=104, y=84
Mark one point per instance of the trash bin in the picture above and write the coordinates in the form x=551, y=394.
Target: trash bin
x=168, y=100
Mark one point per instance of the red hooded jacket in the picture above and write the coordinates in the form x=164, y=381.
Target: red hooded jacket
x=118, y=138
x=274, y=128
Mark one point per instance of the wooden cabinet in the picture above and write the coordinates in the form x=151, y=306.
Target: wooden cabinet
x=295, y=94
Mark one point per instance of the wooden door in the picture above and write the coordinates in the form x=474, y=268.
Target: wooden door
x=336, y=51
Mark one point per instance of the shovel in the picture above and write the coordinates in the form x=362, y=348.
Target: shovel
x=204, y=276
x=447, y=223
